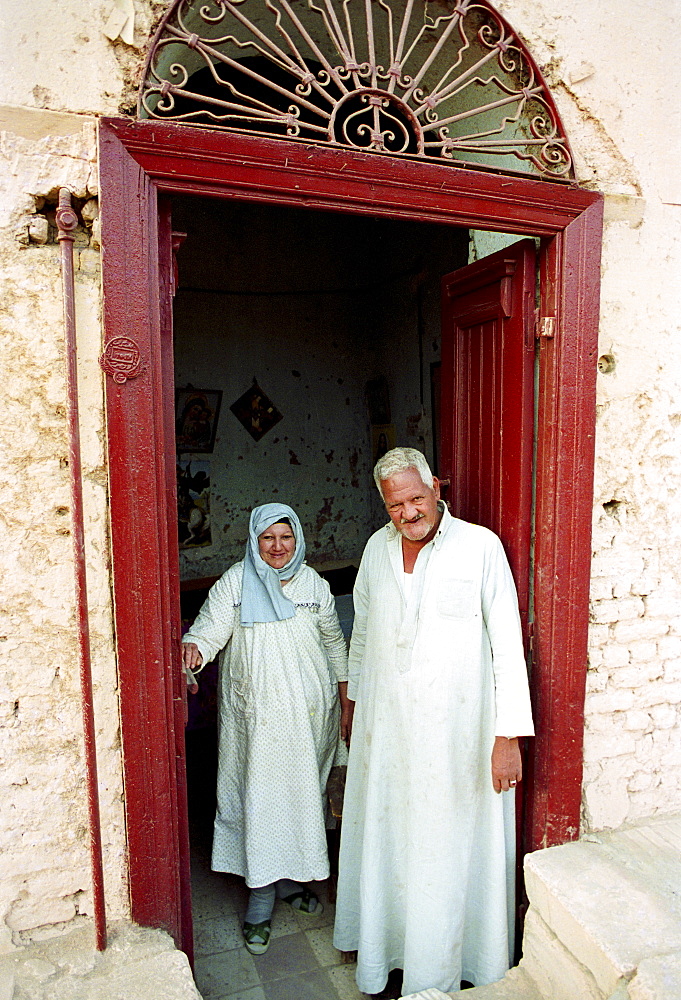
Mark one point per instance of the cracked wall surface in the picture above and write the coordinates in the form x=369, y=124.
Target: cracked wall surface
x=44, y=852
x=609, y=69
x=609, y=66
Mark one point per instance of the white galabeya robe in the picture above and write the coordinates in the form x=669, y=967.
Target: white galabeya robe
x=278, y=728
x=427, y=862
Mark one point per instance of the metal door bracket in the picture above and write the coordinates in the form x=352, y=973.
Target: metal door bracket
x=546, y=326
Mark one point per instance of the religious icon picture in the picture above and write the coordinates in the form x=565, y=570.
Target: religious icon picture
x=382, y=440
x=256, y=411
x=196, y=418
x=193, y=503
x=378, y=401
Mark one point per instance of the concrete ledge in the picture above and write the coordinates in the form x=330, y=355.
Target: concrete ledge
x=516, y=985
x=139, y=964
x=657, y=979
x=604, y=921
x=553, y=968
x=599, y=897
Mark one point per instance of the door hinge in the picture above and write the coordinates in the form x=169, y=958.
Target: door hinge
x=545, y=326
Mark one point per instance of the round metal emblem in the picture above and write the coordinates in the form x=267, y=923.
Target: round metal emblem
x=122, y=359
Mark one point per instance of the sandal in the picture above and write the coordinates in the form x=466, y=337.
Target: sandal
x=257, y=936
x=304, y=901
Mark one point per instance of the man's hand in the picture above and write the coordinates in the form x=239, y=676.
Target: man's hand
x=347, y=712
x=507, y=768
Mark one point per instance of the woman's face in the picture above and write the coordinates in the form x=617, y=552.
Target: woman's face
x=277, y=545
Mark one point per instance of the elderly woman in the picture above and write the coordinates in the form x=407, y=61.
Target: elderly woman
x=283, y=671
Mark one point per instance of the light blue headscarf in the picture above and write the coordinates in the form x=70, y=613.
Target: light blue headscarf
x=262, y=598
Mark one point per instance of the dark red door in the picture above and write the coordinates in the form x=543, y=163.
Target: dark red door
x=487, y=420
x=487, y=401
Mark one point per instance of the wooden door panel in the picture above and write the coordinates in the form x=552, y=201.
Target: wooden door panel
x=487, y=398
x=487, y=421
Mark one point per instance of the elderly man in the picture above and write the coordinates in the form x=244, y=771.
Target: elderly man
x=438, y=678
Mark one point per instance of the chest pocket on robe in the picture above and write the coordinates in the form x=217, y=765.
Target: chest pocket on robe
x=307, y=617
x=458, y=599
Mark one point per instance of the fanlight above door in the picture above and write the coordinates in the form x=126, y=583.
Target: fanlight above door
x=444, y=80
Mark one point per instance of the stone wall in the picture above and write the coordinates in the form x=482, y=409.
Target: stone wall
x=610, y=67
x=610, y=70
x=44, y=866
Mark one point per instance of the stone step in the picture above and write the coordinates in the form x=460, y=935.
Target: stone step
x=139, y=964
x=604, y=921
x=603, y=909
x=516, y=985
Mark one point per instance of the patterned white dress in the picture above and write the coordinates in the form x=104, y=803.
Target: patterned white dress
x=278, y=728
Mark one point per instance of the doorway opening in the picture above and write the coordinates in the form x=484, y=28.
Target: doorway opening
x=337, y=320
x=143, y=165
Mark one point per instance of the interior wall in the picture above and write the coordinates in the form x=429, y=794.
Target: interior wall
x=313, y=305
x=483, y=243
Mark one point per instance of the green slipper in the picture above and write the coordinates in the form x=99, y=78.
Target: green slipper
x=304, y=901
x=257, y=937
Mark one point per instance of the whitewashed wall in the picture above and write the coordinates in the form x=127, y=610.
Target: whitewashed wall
x=44, y=860
x=611, y=68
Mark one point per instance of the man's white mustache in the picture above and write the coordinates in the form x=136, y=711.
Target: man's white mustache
x=412, y=520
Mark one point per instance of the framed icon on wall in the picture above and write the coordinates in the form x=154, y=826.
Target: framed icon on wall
x=196, y=418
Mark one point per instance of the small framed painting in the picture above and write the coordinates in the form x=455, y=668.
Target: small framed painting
x=193, y=502
x=196, y=419
x=256, y=412
x=382, y=440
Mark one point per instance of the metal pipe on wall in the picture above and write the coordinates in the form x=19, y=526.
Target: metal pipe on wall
x=67, y=221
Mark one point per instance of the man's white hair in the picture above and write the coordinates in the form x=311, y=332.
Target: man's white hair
x=399, y=460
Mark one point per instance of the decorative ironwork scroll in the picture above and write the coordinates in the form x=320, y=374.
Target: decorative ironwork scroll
x=439, y=79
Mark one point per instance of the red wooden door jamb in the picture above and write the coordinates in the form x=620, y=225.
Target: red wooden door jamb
x=140, y=161
x=568, y=345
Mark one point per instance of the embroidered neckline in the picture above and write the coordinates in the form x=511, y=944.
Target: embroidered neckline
x=296, y=604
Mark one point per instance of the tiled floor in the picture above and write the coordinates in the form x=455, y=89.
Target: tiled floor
x=300, y=964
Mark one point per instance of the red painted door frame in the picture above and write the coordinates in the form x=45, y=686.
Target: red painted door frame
x=140, y=162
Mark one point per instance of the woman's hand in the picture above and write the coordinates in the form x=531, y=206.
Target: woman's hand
x=191, y=660
x=347, y=712
x=507, y=768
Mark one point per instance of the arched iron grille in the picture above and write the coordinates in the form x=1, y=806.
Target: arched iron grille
x=441, y=79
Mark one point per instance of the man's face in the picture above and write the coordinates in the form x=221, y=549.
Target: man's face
x=411, y=505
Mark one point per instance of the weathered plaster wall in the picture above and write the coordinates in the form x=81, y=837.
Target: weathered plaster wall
x=44, y=859
x=611, y=67
x=314, y=305
x=62, y=58
x=268, y=295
